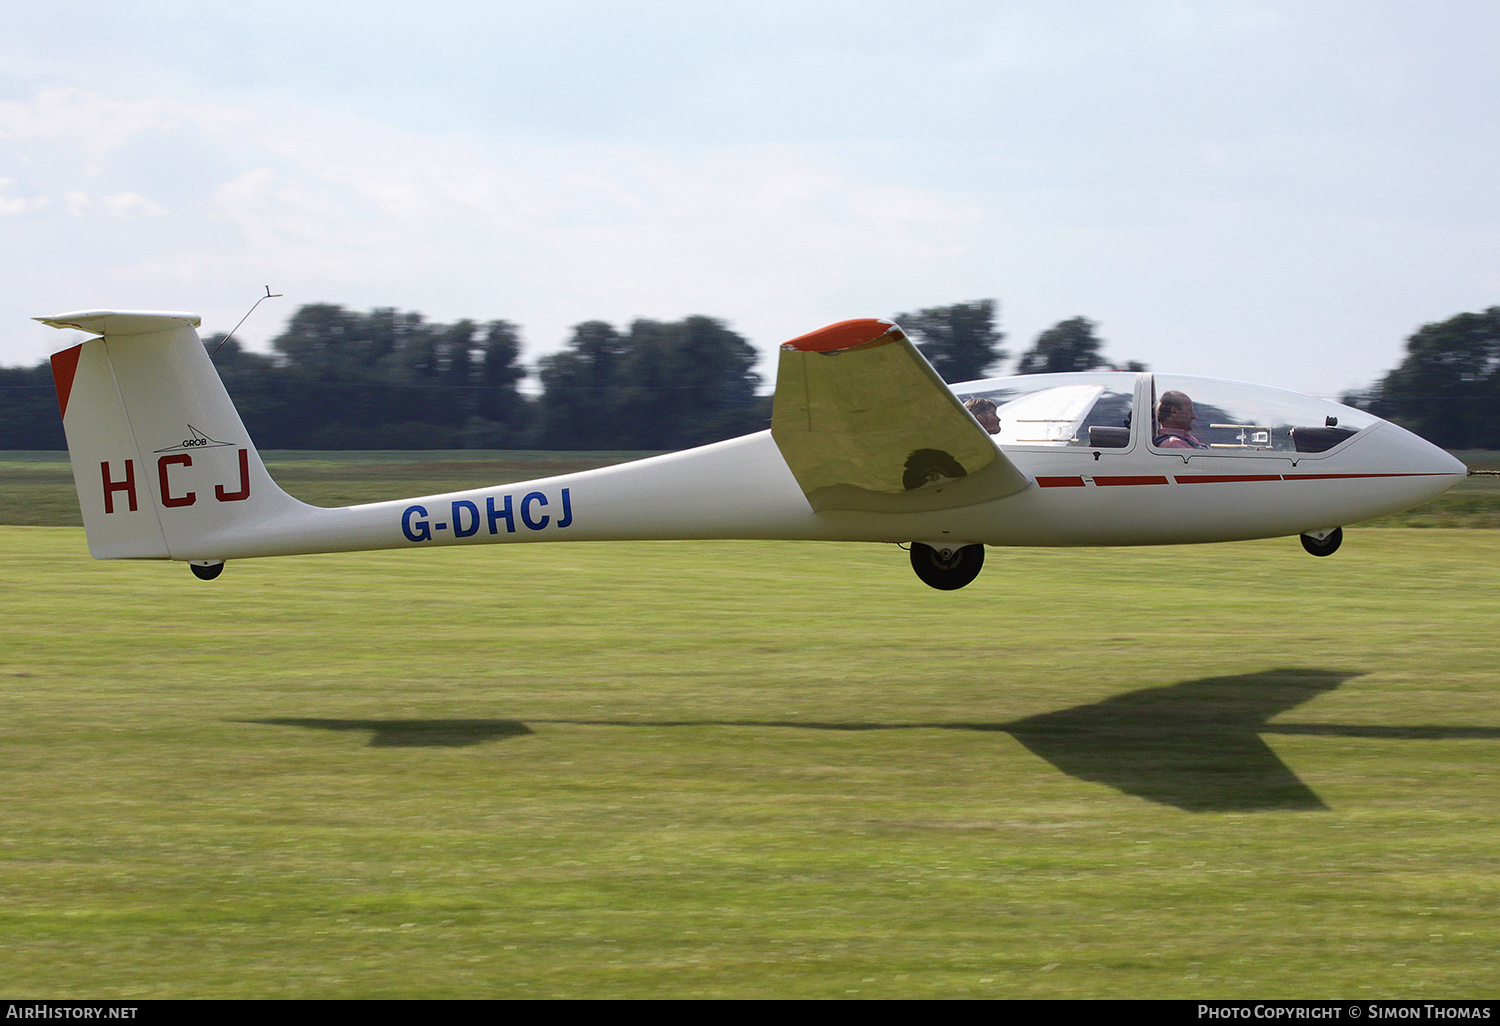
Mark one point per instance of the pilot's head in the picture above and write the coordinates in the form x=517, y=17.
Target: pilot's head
x=1175, y=410
x=985, y=412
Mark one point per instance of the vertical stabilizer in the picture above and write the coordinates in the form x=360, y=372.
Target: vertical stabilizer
x=161, y=459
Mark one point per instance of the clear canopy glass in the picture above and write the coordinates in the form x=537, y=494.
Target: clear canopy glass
x=1097, y=410
x=1232, y=418
x=1057, y=410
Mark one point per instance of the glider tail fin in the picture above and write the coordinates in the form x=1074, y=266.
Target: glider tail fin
x=162, y=462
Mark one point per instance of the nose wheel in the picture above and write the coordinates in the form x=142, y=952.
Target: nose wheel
x=947, y=569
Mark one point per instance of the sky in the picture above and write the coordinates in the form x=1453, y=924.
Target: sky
x=1278, y=192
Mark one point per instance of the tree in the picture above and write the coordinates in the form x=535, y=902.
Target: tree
x=580, y=387
x=960, y=341
x=662, y=385
x=1448, y=387
x=1069, y=345
x=686, y=383
x=317, y=342
x=345, y=380
x=500, y=373
x=389, y=379
x=502, y=413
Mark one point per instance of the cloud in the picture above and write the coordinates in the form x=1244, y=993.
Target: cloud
x=96, y=124
x=329, y=206
x=131, y=204
x=11, y=207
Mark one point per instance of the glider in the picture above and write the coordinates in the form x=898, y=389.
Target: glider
x=867, y=443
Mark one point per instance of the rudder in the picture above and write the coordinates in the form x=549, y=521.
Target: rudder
x=161, y=460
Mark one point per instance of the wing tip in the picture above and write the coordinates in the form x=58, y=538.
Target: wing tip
x=854, y=334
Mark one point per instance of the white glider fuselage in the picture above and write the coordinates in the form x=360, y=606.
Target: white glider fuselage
x=866, y=445
x=741, y=488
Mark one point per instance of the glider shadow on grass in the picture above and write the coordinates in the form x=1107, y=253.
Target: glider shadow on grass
x=1194, y=745
x=412, y=733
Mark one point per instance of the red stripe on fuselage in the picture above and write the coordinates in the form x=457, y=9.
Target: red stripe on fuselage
x=1334, y=477
x=1079, y=482
x=1226, y=478
x=1135, y=480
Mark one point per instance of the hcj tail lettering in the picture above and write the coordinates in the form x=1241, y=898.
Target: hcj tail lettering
x=111, y=486
x=466, y=519
x=243, y=492
x=172, y=474
x=181, y=459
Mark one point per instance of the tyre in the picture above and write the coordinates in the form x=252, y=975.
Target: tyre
x=1327, y=547
x=950, y=572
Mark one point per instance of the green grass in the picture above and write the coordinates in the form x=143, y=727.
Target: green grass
x=753, y=770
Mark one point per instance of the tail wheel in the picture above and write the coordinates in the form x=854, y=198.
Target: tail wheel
x=1327, y=545
x=947, y=569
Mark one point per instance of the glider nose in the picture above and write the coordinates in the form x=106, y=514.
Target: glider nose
x=1441, y=463
x=1446, y=463
x=1431, y=470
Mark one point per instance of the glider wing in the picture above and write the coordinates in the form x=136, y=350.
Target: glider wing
x=866, y=424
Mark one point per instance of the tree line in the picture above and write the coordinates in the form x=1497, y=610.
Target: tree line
x=388, y=379
x=338, y=378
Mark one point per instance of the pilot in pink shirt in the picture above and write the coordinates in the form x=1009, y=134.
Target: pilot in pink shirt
x=1174, y=419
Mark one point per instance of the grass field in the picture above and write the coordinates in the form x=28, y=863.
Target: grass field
x=745, y=769
x=753, y=770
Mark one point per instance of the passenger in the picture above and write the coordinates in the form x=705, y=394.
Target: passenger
x=985, y=412
x=1174, y=420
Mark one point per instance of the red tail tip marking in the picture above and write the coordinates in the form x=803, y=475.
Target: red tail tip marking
x=64, y=368
x=835, y=338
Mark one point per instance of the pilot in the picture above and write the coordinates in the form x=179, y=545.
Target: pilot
x=1174, y=420
x=985, y=412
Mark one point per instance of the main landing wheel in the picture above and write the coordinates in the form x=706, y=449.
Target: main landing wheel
x=1328, y=546
x=206, y=571
x=946, y=569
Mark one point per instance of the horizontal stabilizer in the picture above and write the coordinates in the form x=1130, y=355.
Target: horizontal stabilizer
x=120, y=323
x=866, y=424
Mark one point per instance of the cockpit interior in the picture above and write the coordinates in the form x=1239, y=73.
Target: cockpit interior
x=1098, y=411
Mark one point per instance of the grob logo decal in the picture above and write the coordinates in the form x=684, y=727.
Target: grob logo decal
x=197, y=440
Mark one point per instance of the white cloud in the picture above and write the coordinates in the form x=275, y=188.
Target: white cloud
x=9, y=207
x=131, y=204
x=97, y=124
